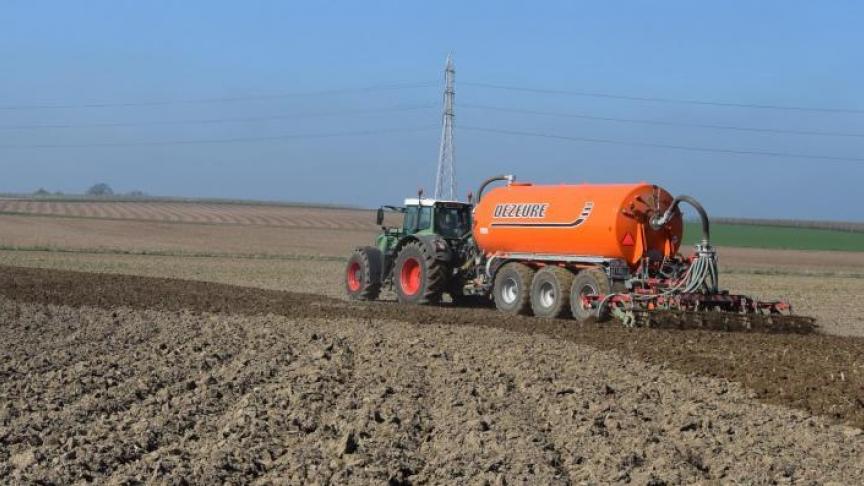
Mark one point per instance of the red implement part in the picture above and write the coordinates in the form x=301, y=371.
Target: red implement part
x=720, y=311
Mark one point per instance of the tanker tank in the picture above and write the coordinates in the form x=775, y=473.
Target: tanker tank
x=604, y=220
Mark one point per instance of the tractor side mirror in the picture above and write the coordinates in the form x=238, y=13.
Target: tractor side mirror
x=379, y=217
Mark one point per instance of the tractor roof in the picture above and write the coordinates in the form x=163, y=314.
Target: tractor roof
x=413, y=201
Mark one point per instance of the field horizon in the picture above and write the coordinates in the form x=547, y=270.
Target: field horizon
x=727, y=232
x=185, y=239
x=827, y=224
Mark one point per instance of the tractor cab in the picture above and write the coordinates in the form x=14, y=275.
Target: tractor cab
x=421, y=216
x=450, y=220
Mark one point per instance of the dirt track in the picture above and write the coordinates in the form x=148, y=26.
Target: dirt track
x=145, y=383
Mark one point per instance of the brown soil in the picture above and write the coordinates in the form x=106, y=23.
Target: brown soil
x=792, y=261
x=140, y=386
x=194, y=212
x=227, y=228
x=184, y=238
x=120, y=379
x=820, y=374
x=817, y=284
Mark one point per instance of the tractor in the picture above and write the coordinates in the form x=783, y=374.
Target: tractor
x=421, y=259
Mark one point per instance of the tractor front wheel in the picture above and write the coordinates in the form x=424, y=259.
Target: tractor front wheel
x=418, y=277
x=363, y=274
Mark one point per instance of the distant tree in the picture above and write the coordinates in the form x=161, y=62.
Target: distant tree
x=136, y=193
x=41, y=192
x=100, y=189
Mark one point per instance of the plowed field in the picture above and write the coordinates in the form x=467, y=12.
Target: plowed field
x=110, y=372
x=181, y=212
x=132, y=379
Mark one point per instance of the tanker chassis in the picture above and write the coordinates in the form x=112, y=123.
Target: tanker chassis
x=588, y=251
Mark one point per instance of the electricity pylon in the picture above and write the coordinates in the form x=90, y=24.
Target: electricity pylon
x=445, y=181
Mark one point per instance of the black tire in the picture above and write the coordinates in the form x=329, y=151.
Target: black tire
x=363, y=274
x=512, y=291
x=587, y=282
x=550, y=292
x=427, y=285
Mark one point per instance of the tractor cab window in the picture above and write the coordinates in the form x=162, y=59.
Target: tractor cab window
x=410, y=220
x=417, y=219
x=425, y=218
x=452, y=222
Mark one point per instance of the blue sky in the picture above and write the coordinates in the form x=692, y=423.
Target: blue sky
x=804, y=54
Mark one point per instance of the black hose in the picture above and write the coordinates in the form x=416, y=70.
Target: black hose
x=658, y=222
x=502, y=177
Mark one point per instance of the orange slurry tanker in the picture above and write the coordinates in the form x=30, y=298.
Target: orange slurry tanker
x=589, y=251
x=571, y=220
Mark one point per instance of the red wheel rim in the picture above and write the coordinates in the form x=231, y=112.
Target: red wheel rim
x=409, y=276
x=353, y=276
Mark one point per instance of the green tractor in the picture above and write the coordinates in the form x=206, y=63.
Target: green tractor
x=421, y=260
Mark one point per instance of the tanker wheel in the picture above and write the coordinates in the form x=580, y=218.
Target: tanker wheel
x=592, y=281
x=550, y=292
x=512, y=291
x=363, y=274
x=418, y=276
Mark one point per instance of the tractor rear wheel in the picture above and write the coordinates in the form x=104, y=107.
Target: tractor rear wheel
x=419, y=278
x=513, y=288
x=592, y=281
x=363, y=274
x=550, y=292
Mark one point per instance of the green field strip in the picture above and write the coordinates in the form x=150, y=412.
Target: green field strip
x=776, y=237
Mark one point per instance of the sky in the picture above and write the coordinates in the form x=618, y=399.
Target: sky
x=340, y=102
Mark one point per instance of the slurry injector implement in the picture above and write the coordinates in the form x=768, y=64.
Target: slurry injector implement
x=587, y=250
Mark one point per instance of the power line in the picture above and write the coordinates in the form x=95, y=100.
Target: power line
x=664, y=146
x=290, y=136
x=216, y=120
x=225, y=99
x=592, y=94
x=665, y=123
